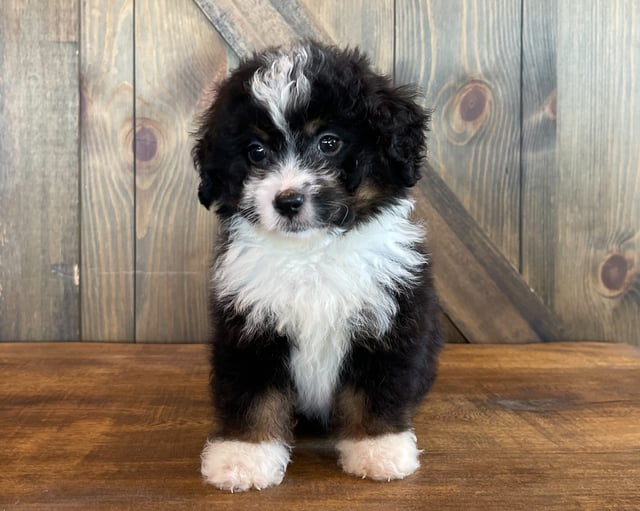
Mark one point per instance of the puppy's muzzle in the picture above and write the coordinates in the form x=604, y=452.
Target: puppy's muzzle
x=288, y=202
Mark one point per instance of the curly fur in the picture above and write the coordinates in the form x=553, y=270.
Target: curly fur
x=324, y=309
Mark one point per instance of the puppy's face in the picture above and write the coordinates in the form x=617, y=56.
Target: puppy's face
x=308, y=139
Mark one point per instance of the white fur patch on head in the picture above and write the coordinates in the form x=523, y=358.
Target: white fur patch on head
x=382, y=458
x=240, y=466
x=281, y=86
x=320, y=290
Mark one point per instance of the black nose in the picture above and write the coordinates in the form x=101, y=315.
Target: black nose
x=288, y=202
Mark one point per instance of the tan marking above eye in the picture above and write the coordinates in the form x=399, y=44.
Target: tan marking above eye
x=312, y=127
x=261, y=134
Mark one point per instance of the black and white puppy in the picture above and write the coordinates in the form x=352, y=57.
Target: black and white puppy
x=323, y=302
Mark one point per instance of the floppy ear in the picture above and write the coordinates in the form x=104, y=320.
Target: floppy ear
x=220, y=171
x=202, y=155
x=400, y=124
x=215, y=153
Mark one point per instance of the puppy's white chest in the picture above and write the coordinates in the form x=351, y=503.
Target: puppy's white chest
x=317, y=300
x=315, y=364
x=321, y=321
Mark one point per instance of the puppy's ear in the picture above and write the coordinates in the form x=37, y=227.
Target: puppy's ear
x=400, y=124
x=203, y=156
x=213, y=157
x=215, y=153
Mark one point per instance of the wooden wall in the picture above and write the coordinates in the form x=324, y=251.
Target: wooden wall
x=535, y=135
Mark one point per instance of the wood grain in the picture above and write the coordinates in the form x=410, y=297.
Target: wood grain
x=107, y=173
x=258, y=24
x=121, y=426
x=597, y=258
x=39, y=191
x=363, y=23
x=451, y=49
x=68, y=188
x=539, y=150
x=178, y=56
x=465, y=55
x=482, y=293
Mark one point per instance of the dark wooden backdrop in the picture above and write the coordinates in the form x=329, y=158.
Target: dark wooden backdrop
x=532, y=197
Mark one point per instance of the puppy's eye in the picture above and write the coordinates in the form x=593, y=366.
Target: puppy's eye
x=329, y=145
x=256, y=153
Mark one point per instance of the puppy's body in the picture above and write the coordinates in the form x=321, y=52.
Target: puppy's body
x=323, y=300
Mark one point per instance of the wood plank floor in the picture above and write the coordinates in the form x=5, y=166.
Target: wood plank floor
x=103, y=426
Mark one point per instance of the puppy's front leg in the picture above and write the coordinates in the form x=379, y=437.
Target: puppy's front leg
x=372, y=445
x=253, y=406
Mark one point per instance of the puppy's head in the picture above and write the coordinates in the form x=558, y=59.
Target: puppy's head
x=308, y=138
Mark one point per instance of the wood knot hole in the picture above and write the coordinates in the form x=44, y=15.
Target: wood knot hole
x=615, y=274
x=473, y=102
x=466, y=111
x=146, y=144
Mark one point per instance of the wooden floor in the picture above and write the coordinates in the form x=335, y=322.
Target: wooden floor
x=97, y=426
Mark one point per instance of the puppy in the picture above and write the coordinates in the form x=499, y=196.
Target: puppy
x=323, y=302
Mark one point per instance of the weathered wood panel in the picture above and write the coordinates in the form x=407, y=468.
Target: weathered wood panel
x=363, y=23
x=570, y=224
x=107, y=177
x=178, y=55
x=597, y=258
x=465, y=55
x=539, y=157
x=480, y=290
x=247, y=26
x=39, y=198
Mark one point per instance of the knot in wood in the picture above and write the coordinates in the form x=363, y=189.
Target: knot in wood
x=467, y=111
x=146, y=144
x=616, y=274
x=473, y=103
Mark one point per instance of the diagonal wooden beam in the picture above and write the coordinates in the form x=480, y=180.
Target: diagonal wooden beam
x=487, y=299
x=483, y=294
x=250, y=25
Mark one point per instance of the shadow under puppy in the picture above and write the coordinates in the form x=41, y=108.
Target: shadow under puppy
x=323, y=302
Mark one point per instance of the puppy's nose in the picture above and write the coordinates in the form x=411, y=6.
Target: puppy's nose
x=288, y=202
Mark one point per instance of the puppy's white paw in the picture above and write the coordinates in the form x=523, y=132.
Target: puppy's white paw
x=382, y=458
x=239, y=466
